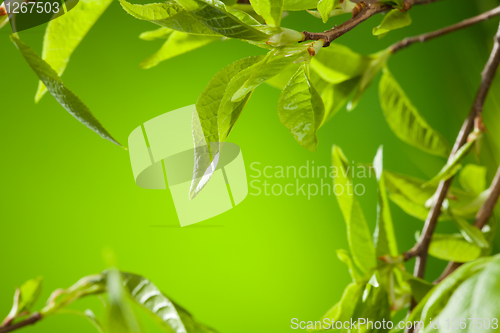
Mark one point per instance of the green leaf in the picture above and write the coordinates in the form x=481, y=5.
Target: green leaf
x=419, y=287
x=176, y=44
x=452, y=166
x=405, y=121
x=358, y=234
x=344, y=309
x=395, y=19
x=471, y=233
x=377, y=62
x=293, y=5
x=334, y=96
x=472, y=178
x=89, y=285
x=214, y=15
x=171, y=317
x=120, y=317
x=168, y=14
x=270, y=10
x=301, y=109
x=453, y=248
x=274, y=63
x=64, y=34
x=337, y=63
x=61, y=93
x=475, y=299
x=160, y=33
x=374, y=305
x=384, y=236
x=209, y=109
x=280, y=81
x=325, y=7
x=24, y=299
x=347, y=259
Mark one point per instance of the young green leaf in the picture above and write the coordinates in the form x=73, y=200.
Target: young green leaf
x=214, y=15
x=338, y=63
x=274, y=63
x=334, y=96
x=347, y=259
x=301, y=109
x=325, y=7
x=209, y=109
x=358, y=234
x=168, y=14
x=24, y=299
x=344, y=309
x=472, y=178
x=120, y=317
x=384, y=236
x=169, y=315
x=453, y=248
x=270, y=10
x=293, y=5
x=405, y=121
x=160, y=33
x=471, y=233
x=176, y=44
x=452, y=166
x=395, y=19
x=377, y=62
x=374, y=306
x=61, y=93
x=64, y=34
x=419, y=287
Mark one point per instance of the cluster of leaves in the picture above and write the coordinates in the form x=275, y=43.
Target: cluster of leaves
x=315, y=85
x=381, y=286
x=117, y=290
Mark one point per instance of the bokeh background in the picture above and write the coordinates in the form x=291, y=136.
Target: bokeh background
x=68, y=198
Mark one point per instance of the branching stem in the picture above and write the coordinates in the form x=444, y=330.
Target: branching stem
x=29, y=321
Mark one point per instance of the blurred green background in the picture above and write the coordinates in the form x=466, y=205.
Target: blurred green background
x=68, y=196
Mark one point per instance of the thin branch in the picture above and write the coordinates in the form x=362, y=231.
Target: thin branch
x=431, y=35
x=481, y=220
x=365, y=13
x=29, y=321
x=336, y=32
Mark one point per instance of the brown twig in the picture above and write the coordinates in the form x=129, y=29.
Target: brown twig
x=481, y=220
x=363, y=15
x=420, y=250
x=431, y=35
x=29, y=321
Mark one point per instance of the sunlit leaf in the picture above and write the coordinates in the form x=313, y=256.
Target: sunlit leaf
x=473, y=178
x=347, y=259
x=160, y=33
x=471, y=233
x=453, y=248
x=177, y=43
x=299, y=4
x=337, y=63
x=171, y=317
x=270, y=10
x=24, y=298
x=394, y=19
x=214, y=15
x=452, y=166
x=274, y=63
x=301, y=109
x=325, y=7
x=358, y=234
x=209, y=109
x=61, y=93
x=65, y=33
